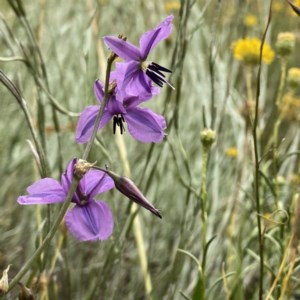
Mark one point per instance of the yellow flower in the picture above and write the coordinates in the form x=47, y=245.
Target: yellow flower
x=250, y=20
x=231, y=152
x=172, y=6
x=290, y=107
x=278, y=6
x=248, y=50
x=293, y=78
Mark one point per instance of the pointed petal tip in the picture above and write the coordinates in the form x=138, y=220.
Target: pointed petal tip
x=157, y=213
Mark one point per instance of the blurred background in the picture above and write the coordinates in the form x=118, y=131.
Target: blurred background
x=53, y=51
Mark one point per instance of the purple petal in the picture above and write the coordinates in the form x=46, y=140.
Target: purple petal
x=99, y=90
x=95, y=182
x=137, y=87
x=151, y=38
x=145, y=125
x=90, y=222
x=122, y=48
x=115, y=106
x=67, y=176
x=86, y=123
x=44, y=191
x=134, y=82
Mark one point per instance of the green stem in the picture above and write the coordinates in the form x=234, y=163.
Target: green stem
x=101, y=110
x=203, y=200
x=275, y=161
x=257, y=163
x=282, y=81
x=136, y=223
x=276, y=130
x=249, y=83
x=48, y=238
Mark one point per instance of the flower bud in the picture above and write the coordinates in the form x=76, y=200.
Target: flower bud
x=25, y=293
x=127, y=187
x=4, y=281
x=285, y=43
x=293, y=78
x=207, y=137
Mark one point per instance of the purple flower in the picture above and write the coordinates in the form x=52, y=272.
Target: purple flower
x=88, y=220
x=138, y=73
x=143, y=124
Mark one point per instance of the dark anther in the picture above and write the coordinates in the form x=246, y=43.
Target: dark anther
x=82, y=197
x=155, y=72
x=118, y=121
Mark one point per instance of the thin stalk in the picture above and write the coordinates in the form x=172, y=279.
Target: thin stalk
x=137, y=228
x=276, y=130
x=12, y=58
x=257, y=162
x=249, y=83
x=282, y=81
x=89, y=145
x=203, y=200
x=207, y=137
x=280, y=270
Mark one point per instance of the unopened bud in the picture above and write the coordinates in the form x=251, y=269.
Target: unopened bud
x=127, y=187
x=285, y=43
x=25, y=293
x=207, y=137
x=4, y=281
x=293, y=78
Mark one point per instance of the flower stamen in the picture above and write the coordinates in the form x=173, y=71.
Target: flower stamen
x=154, y=72
x=118, y=121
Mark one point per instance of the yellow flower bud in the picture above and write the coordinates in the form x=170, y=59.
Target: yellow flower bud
x=285, y=43
x=293, y=78
x=207, y=137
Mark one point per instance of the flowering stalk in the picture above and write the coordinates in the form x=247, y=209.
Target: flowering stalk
x=71, y=191
x=257, y=162
x=89, y=145
x=249, y=84
x=285, y=44
x=207, y=137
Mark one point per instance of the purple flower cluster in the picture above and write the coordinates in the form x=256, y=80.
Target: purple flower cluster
x=91, y=220
x=134, y=85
